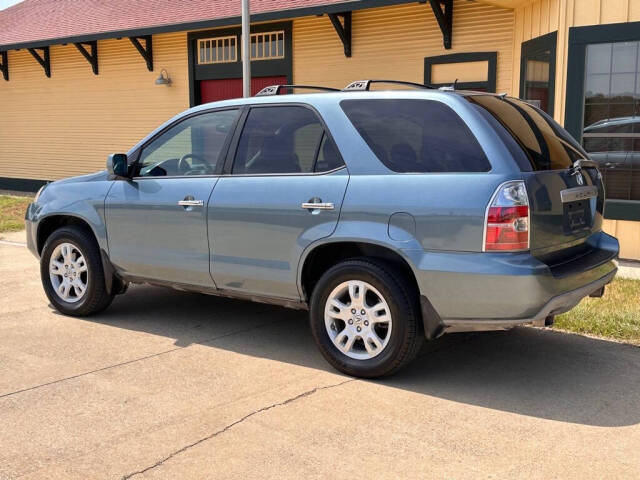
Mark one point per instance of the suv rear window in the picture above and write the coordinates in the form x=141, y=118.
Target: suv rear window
x=546, y=144
x=416, y=136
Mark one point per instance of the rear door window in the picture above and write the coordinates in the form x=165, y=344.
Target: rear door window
x=416, y=136
x=547, y=145
x=284, y=140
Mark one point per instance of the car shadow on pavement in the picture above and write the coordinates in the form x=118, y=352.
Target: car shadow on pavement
x=534, y=372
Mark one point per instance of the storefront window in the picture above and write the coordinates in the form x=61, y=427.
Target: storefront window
x=611, y=123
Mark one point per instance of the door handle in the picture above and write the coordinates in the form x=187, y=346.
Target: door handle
x=318, y=206
x=189, y=201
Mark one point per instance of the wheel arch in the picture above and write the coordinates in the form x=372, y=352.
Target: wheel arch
x=49, y=224
x=321, y=256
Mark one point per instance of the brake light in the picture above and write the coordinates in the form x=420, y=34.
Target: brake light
x=507, y=219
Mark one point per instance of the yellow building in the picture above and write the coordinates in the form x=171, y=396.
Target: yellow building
x=78, y=78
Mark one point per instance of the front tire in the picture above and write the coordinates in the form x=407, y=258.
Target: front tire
x=72, y=274
x=365, y=318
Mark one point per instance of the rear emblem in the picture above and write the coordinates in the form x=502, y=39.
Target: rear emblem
x=579, y=179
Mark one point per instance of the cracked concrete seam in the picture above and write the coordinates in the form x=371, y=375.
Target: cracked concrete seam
x=139, y=359
x=233, y=424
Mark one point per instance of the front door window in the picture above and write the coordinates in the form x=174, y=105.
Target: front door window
x=192, y=147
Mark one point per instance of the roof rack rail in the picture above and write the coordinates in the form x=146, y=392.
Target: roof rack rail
x=275, y=89
x=363, y=85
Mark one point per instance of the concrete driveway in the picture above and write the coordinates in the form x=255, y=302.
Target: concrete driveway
x=175, y=385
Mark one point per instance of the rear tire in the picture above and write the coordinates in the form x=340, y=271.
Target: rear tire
x=72, y=274
x=352, y=335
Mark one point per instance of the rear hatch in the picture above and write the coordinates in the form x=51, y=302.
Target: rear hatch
x=566, y=193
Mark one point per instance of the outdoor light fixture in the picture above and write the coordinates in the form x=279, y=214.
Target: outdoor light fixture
x=163, y=79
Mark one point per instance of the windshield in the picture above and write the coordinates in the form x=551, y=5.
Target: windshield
x=547, y=145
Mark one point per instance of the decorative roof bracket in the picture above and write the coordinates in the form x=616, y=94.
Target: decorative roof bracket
x=147, y=51
x=92, y=57
x=43, y=59
x=343, y=29
x=4, y=66
x=443, y=10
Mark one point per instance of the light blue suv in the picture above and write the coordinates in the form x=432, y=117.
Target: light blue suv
x=392, y=216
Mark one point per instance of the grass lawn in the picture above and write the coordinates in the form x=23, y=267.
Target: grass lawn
x=616, y=315
x=12, y=211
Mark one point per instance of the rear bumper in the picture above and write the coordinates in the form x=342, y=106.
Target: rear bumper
x=489, y=291
x=558, y=304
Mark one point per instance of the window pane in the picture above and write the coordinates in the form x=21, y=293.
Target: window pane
x=536, y=84
x=191, y=147
x=624, y=57
x=597, y=87
x=599, y=58
x=328, y=156
x=595, y=113
x=416, y=136
x=623, y=87
x=281, y=45
x=547, y=145
x=278, y=140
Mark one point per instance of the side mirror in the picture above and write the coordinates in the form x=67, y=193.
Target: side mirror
x=117, y=164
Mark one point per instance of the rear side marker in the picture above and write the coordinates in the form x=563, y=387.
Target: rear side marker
x=506, y=226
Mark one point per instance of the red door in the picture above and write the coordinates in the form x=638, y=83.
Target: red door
x=214, y=90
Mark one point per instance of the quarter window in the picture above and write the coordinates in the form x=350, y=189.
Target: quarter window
x=192, y=147
x=284, y=140
x=416, y=135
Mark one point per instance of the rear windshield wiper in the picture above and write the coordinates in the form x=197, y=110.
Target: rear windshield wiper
x=580, y=164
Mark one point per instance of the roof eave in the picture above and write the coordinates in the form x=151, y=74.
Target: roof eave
x=348, y=5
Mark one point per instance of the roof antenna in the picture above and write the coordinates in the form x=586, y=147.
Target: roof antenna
x=455, y=84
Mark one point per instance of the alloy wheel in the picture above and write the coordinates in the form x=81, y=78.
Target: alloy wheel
x=358, y=319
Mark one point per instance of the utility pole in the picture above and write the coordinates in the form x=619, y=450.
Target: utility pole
x=246, y=45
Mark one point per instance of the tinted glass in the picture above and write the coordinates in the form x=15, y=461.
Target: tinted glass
x=416, y=135
x=278, y=140
x=192, y=147
x=328, y=156
x=547, y=145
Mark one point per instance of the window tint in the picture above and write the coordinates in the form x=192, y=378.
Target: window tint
x=280, y=140
x=328, y=156
x=548, y=146
x=416, y=135
x=192, y=147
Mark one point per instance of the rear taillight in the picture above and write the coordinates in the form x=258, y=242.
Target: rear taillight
x=507, y=220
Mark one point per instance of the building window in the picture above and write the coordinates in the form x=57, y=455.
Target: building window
x=611, y=119
x=267, y=45
x=537, y=71
x=465, y=71
x=217, y=50
x=602, y=108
